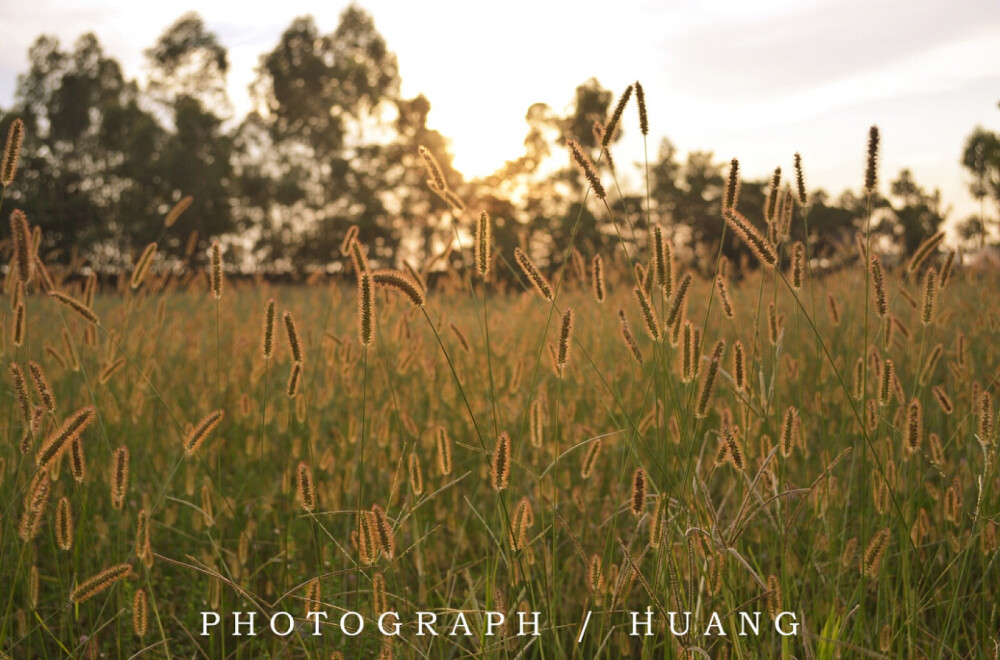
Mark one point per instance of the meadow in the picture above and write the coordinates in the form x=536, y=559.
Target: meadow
x=619, y=434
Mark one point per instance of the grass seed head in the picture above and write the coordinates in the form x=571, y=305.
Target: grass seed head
x=612, y=126
x=874, y=553
x=484, y=241
x=119, y=471
x=400, y=282
x=267, y=342
x=21, y=234
x=732, y=196
x=532, y=273
x=640, y=99
x=872, y=162
x=366, y=308
x=800, y=180
x=98, y=583
x=216, y=271
x=59, y=441
x=11, y=152
x=587, y=167
x=500, y=469
x=293, y=337
x=200, y=432
x=140, y=614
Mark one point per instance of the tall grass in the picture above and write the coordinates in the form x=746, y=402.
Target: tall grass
x=477, y=447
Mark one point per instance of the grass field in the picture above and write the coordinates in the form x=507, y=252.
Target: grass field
x=827, y=451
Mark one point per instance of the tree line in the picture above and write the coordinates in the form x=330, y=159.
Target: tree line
x=331, y=142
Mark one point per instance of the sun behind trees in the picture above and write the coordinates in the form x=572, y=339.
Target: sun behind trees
x=331, y=143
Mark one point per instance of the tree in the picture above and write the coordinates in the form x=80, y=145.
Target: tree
x=918, y=214
x=316, y=150
x=187, y=79
x=188, y=61
x=981, y=156
x=91, y=152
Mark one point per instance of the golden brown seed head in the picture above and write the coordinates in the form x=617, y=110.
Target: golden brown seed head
x=785, y=440
x=21, y=235
x=305, y=490
x=531, y=272
x=433, y=169
x=142, y=266
x=78, y=463
x=11, y=152
x=627, y=336
x=774, y=604
x=119, y=484
x=267, y=344
x=583, y=162
x=985, y=415
x=21, y=390
x=76, y=306
x=638, y=492
x=885, y=384
x=294, y=379
x=761, y=248
x=659, y=262
x=520, y=523
x=723, y=289
x=293, y=337
x=612, y=126
x=460, y=336
x=739, y=366
x=708, y=383
x=140, y=615
x=216, y=270
x=590, y=458
x=565, y=340
x=772, y=324
x=930, y=297
x=926, y=249
x=732, y=196
x=176, y=211
x=949, y=263
x=640, y=98
x=98, y=583
x=870, y=175
x=59, y=441
x=399, y=281
x=878, y=282
x=500, y=470
x=597, y=277
x=416, y=473
x=484, y=243
x=358, y=258
x=350, y=236
x=200, y=432
x=595, y=574
x=771, y=205
x=914, y=425
x=798, y=264
x=383, y=530
x=800, y=180
x=648, y=314
x=64, y=524
x=733, y=447
x=367, y=538
x=875, y=552
x=443, y=451
x=366, y=308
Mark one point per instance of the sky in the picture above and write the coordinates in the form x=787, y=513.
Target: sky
x=753, y=80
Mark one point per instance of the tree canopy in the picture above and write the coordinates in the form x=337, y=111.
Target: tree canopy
x=331, y=142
